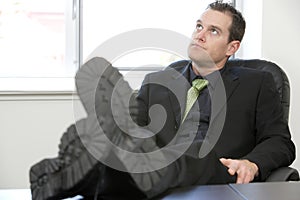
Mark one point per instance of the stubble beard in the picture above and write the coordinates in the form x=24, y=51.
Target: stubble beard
x=203, y=63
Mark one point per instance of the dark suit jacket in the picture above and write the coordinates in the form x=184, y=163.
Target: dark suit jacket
x=246, y=120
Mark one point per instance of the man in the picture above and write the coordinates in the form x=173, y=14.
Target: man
x=234, y=132
x=255, y=139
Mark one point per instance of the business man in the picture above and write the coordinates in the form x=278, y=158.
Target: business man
x=254, y=139
x=235, y=130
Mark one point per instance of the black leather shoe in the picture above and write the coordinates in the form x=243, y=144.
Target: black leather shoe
x=102, y=85
x=78, y=169
x=75, y=171
x=104, y=93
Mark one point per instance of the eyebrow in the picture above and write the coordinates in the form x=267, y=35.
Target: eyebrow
x=211, y=26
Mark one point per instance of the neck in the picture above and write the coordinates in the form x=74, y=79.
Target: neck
x=207, y=69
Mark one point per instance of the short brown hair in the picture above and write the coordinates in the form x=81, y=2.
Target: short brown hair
x=238, y=25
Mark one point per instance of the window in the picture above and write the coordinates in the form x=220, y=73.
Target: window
x=35, y=45
x=43, y=42
x=103, y=20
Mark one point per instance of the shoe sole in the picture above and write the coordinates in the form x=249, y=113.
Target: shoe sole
x=62, y=177
x=104, y=93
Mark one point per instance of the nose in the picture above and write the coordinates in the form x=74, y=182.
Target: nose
x=200, y=35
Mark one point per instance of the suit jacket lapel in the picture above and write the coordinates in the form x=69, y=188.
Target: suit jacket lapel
x=230, y=81
x=223, y=91
x=178, y=86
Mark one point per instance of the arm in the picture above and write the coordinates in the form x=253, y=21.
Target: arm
x=274, y=147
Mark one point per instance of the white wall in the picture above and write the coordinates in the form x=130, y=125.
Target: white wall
x=280, y=43
x=252, y=42
x=30, y=129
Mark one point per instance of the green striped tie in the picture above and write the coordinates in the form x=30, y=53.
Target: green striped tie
x=193, y=93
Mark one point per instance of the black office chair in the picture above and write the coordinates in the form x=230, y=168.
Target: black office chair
x=283, y=86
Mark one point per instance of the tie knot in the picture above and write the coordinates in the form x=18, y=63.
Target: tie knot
x=199, y=84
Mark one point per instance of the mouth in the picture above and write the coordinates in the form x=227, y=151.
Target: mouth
x=197, y=46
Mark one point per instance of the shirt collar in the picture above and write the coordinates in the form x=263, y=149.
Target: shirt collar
x=212, y=77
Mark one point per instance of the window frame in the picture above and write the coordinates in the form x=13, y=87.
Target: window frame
x=61, y=85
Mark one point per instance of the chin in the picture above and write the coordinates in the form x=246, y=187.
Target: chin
x=200, y=59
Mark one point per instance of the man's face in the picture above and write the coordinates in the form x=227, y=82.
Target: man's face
x=209, y=44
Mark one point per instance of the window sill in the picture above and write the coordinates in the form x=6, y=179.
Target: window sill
x=38, y=96
x=18, y=89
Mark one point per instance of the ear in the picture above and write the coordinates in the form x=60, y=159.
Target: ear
x=233, y=46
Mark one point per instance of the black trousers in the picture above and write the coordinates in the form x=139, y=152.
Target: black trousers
x=188, y=170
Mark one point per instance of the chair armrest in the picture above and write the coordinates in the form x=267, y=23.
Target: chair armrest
x=283, y=174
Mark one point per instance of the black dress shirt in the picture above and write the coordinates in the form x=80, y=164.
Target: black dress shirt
x=204, y=100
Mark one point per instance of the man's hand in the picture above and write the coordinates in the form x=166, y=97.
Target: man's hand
x=245, y=170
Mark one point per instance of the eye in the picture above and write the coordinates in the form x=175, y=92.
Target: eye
x=199, y=26
x=214, y=31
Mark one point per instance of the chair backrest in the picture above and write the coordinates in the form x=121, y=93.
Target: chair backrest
x=283, y=87
x=280, y=78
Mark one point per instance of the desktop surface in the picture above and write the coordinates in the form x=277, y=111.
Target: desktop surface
x=204, y=192
x=251, y=191
x=269, y=190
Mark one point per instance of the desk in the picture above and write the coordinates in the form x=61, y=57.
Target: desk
x=22, y=194
x=270, y=190
x=204, y=192
x=13, y=194
x=252, y=191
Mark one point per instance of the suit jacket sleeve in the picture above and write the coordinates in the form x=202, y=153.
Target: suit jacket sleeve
x=274, y=147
